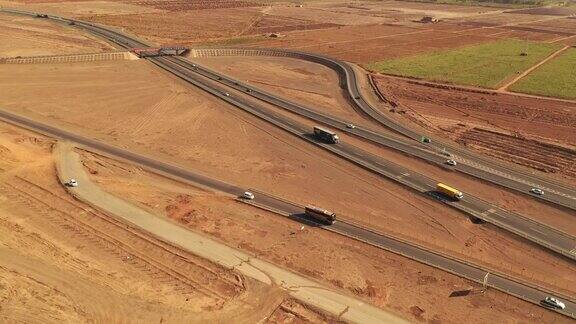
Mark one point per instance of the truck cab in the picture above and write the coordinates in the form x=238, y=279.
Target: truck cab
x=325, y=135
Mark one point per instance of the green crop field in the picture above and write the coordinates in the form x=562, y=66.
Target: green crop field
x=484, y=65
x=556, y=78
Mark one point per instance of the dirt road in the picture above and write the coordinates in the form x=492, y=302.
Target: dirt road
x=506, y=85
x=308, y=291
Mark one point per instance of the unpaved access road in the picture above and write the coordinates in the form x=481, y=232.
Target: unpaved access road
x=347, y=308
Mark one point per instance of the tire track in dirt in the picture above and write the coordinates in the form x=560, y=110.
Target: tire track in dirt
x=175, y=274
x=149, y=116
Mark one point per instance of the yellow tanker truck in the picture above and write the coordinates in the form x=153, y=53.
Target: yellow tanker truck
x=449, y=191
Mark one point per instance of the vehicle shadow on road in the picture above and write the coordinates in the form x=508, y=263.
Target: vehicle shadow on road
x=461, y=293
x=304, y=219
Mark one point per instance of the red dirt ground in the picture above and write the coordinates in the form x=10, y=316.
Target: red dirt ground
x=180, y=5
x=558, y=11
x=275, y=24
x=548, y=126
x=541, y=156
x=419, y=292
x=184, y=26
x=369, y=43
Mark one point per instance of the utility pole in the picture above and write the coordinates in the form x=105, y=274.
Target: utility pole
x=485, y=283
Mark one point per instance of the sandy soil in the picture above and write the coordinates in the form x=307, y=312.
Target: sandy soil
x=310, y=84
x=184, y=27
x=54, y=249
x=24, y=36
x=416, y=291
x=532, y=132
x=362, y=32
x=79, y=9
x=135, y=106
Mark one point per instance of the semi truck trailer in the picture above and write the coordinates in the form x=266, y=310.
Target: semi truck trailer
x=321, y=215
x=325, y=135
x=449, y=191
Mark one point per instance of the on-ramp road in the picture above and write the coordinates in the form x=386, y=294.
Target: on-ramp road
x=308, y=291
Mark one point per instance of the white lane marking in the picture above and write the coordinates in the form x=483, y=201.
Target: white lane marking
x=537, y=230
x=488, y=212
x=511, y=177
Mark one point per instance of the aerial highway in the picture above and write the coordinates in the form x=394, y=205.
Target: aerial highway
x=522, y=290
x=550, y=238
x=428, y=152
x=470, y=163
x=502, y=282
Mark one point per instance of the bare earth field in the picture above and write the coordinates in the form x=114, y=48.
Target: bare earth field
x=382, y=278
x=62, y=261
x=537, y=133
x=362, y=32
x=135, y=106
x=311, y=84
x=184, y=27
x=25, y=36
x=74, y=8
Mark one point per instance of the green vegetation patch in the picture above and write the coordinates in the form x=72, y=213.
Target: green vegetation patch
x=484, y=65
x=556, y=78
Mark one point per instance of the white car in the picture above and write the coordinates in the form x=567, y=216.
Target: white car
x=537, y=191
x=72, y=183
x=248, y=195
x=451, y=162
x=552, y=302
x=351, y=126
x=226, y=94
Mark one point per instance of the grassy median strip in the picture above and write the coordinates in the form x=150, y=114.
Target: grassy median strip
x=484, y=65
x=556, y=78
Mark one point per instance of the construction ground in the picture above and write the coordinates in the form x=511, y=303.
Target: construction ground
x=56, y=247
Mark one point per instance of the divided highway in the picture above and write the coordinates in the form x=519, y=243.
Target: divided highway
x=428, y=152
x=470, y=163
x=523, y=290
x=543, y=235
x=551, y=238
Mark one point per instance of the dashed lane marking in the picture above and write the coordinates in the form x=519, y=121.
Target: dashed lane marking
x=403, y=175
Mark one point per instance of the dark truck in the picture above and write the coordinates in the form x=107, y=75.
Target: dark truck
x=321, y=215
x=325, y=135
